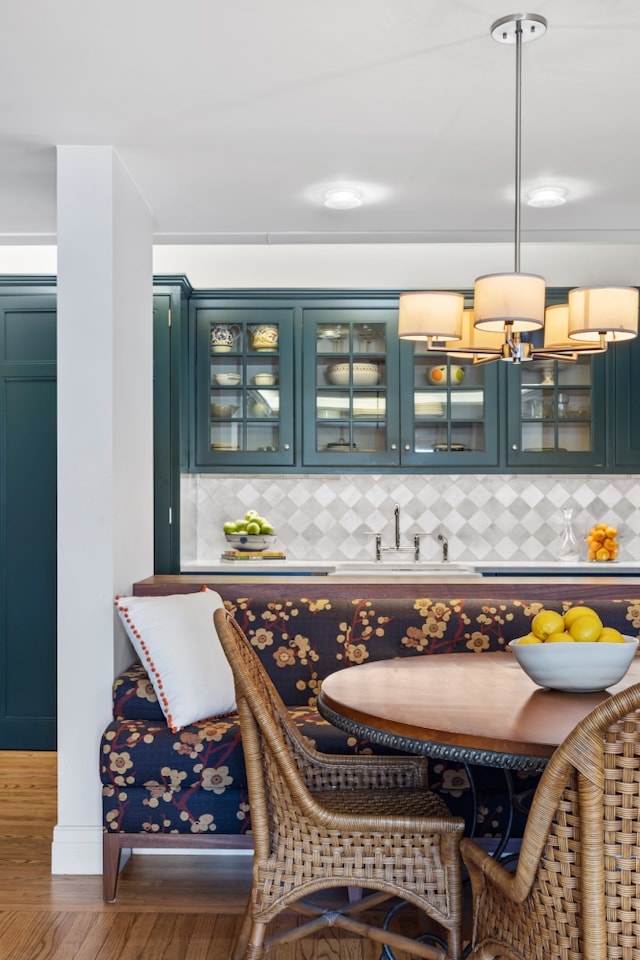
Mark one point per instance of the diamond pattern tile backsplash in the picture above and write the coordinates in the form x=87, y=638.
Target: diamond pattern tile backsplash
x=487, y=517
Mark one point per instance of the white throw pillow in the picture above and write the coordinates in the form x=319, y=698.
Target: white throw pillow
x=176, y=641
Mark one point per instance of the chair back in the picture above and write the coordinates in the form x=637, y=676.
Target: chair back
x=276, y=755
x=580, y=856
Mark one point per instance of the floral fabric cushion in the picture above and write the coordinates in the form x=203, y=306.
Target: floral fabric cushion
x=194, y=781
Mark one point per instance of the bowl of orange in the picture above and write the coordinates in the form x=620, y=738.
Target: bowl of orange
x=574, y=651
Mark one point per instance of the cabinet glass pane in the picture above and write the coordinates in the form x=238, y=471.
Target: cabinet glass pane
x=243, y=371
x=350, y=357
x=555, y=406
x=448, y=404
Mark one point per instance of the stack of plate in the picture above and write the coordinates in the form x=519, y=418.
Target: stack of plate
x=429, y=408
x=224, y=446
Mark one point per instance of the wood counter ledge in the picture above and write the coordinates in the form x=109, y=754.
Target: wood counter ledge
x=520, y=588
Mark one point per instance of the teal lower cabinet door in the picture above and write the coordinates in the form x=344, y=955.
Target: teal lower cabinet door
x=28, y=523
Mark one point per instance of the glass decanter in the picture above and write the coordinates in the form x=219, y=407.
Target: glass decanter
x=568, y=545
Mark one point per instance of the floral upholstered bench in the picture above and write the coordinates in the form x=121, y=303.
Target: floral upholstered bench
x=183, y=784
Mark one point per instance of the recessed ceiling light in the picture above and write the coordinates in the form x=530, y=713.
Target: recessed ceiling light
x=342, y=198
x=547, y=197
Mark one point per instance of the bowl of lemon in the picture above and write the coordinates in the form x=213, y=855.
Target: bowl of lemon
x=574, y=652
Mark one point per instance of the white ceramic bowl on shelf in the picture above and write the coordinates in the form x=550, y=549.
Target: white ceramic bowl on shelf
x=223, y=409
x=264, y=379
x=250, y=541
x=575, y=667
x=227, y=379
x=364, y=374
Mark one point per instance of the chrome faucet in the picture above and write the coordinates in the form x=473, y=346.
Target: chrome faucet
x=445, y=547
x=379, y=549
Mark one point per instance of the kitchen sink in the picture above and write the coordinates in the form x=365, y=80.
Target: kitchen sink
x=422, y=568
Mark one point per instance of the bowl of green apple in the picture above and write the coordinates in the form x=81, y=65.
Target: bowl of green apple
x=252, y=533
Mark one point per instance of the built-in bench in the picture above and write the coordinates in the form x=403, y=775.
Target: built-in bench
x=188, y=789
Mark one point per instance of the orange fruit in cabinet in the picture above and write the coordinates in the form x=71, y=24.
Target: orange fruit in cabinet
x=586, y=629
x=611, y=532
x=591, y=555
x=547, y=622
x=602, y=554
x=610, y=544
x=610, y=635
x=597, y=535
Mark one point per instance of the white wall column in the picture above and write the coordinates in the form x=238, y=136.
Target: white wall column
x=105, y=465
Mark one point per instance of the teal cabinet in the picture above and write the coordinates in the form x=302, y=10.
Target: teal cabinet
x=170, y=396
x=243, y=387
x=350, y=397
x=28, y=519
x=556, y=413
x=626, y=366
x=336, y=389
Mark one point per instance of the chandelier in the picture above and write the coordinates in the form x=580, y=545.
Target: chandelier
x=508, y=305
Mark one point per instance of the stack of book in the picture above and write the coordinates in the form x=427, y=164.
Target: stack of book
x=253, y=555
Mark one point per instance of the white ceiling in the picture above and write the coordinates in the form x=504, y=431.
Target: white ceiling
x=233, y=117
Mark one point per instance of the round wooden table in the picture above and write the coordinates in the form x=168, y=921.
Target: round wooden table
x=474, y=708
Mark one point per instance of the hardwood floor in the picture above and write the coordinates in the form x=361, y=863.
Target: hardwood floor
x=168, y=907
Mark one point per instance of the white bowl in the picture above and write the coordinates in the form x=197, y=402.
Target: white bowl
x=575, y=667
x=250, y=541
x=223, y=409
x=227, y=379
x=364, y=374
x=264, y=379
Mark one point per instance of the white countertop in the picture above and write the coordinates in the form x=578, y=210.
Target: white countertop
x=484, y=567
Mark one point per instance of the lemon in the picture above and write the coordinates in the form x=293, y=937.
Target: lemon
x=547, y=622
x=530, y=638
x=573, y=613
x=586, y=629
x=609, y=635
x=563, y=637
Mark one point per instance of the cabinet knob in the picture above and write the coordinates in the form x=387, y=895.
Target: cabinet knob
x=286, y=446
x=394, y=446
x=514, y=446
x=407, y=446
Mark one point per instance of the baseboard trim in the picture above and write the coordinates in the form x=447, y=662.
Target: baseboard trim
x=76, y=850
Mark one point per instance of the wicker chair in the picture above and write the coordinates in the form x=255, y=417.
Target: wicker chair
x=322, y=822
x=576, y=890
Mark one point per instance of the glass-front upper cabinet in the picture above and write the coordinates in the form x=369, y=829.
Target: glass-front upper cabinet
x=556, y=412
x=244, y=384
x=449, y=409
x=350, y=386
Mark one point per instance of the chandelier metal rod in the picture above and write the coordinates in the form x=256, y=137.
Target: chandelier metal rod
x=518, y=145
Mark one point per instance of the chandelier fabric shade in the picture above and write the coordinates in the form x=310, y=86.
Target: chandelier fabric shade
x=608, y=311
x=430, y=314
x=474, y=340
x=516, y=299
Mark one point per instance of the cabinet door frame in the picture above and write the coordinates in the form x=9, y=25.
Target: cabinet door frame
x=626, y=404
x=346, y=312
x=242, y=311
x=409, y=457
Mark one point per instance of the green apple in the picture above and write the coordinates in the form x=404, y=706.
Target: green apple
x=266, y=528
x=253, y=527
x=250, y=514
x=229, y=526
x=241, y=526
